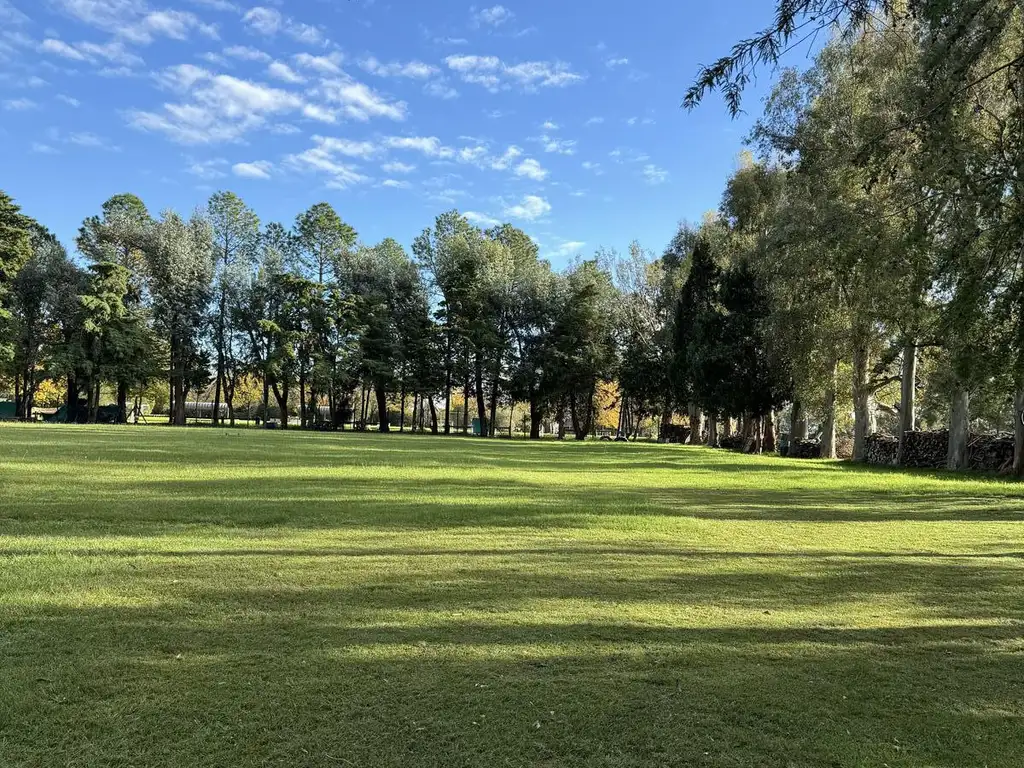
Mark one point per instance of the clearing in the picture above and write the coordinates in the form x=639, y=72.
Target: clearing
x=205, y=598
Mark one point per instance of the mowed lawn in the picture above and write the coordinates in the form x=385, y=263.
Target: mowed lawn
x=241, y=598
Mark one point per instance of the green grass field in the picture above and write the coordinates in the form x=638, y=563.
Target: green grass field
x=204, y=598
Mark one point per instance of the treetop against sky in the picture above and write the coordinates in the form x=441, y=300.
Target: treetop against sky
x=566, y=123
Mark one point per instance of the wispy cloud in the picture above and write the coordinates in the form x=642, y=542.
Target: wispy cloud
x=531, y=169
x=494, y=16
x=19, y=105
x=495, y=75
x=257, y=170
x=270, y=22
x=655, y=175
x=531, y=207
x=415, y=70
x=481, y=219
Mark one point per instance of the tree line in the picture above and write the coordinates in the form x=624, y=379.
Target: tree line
x=324, y=322
x=864, y=270
x=883, y=219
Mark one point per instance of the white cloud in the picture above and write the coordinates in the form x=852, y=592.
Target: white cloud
x=282, y=71
x=360, y=102
x=529, y=208
x=547, y=125
x=506, y=160
x=495, y=75
x=451, y=41
x=19, y=105
x=208, y=169
x=430, y=146
x=217, y=5
x=325, y=65
x=616, y=62
x=221, y=107
x=265, y=21
x=269, y=22
x=113, y=52
x=568, y=248
x=397, y=167
x=246, y=53
x=395, y=184
x=347, y=147
x=71, y=102
x=559, y=146
x=594, y=121
x=415, y=70
x=595, y=167
x=258, y=170
x=89, y=140
x=481, y=219
x=531, y=169
x=654, y=174
x=43, y=149
x=494, y=16
x=440, y=89
x=132, y=20
x=323, y=158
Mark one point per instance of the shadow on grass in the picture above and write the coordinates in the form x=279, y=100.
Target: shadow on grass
x=446, y=668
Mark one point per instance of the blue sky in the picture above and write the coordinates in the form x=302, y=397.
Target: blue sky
x=561, y=117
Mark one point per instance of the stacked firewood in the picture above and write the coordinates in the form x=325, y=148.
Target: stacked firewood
x=804, y=449
x=929, y=450
x=673, y=433
x=733, y=442
x=991, y=453
x=882, y=448
x=926, y=450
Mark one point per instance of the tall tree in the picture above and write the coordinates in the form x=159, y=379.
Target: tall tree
x=236, y=242
x=179, y=262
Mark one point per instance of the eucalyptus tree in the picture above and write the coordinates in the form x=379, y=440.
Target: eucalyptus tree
x=236, y=242
x=179, y=263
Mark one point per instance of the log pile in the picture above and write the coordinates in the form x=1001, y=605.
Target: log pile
x=925, y=450
x=882, y=449
x=804, y=449
x=732, y=442
x=928, y=450
x=990, y=453
x=673, y=433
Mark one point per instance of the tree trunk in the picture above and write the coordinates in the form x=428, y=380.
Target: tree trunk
x=266, y=401
x=561, y=419
x=828, y=429
x=382, y=409
x=492, y=422
x=535, y=417
x=122, y=402
x=415, y=406
x=511, y=417
x=481, y=406
x=71, y=401
x=712, y=441
x=727, y=426
x=281, y=395
x=448, y=383
x=401, y=415
x=861, y=402
x=758, y=435
x=1018, y=433
x=179, y=400
x=908, y=397
x=433, y=416
x=465, y=401
x=302, y=397
x=798, y=422
x=769, y=443
x=959, y=429
x=215, y=416
x=696, y=425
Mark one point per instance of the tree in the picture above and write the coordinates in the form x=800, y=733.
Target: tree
x=442, y=253
x=119, y=237
x=179, y=261
x=15, y=251
x=323, y=241
x=236, y=238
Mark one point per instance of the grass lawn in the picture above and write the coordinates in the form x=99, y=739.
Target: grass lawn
x=204, y=598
